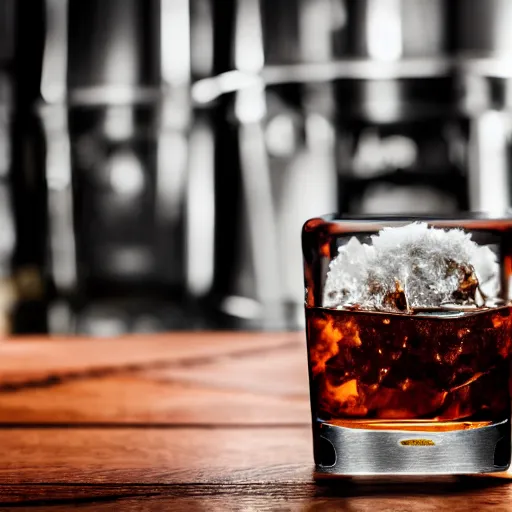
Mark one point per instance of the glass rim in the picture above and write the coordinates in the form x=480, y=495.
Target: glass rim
x=366, y=222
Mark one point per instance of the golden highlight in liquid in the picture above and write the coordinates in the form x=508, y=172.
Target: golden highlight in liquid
x=410, y=425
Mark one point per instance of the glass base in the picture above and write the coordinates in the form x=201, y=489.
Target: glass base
x=412, y=448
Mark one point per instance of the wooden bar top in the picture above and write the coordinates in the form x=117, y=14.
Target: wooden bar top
x=182, y=421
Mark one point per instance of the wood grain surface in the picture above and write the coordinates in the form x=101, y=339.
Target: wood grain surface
x=189, y=421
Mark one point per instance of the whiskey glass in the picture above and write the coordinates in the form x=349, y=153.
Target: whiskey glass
x=409, y=325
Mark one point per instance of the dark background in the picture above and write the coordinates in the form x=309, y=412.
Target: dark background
x=159, y=157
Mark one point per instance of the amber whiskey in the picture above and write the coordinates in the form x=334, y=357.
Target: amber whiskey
x=441, y=370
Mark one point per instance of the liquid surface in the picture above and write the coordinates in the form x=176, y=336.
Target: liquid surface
x=442, y=369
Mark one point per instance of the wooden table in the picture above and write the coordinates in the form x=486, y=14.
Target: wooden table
x=196, y=421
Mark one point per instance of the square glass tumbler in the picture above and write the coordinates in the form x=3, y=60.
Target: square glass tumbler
x=409, y=331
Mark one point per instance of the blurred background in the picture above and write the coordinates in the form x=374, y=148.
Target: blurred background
x=158, y=157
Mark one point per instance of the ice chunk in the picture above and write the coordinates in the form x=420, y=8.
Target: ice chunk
x=347, y=271
x=412, y=267
x=487, y=271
